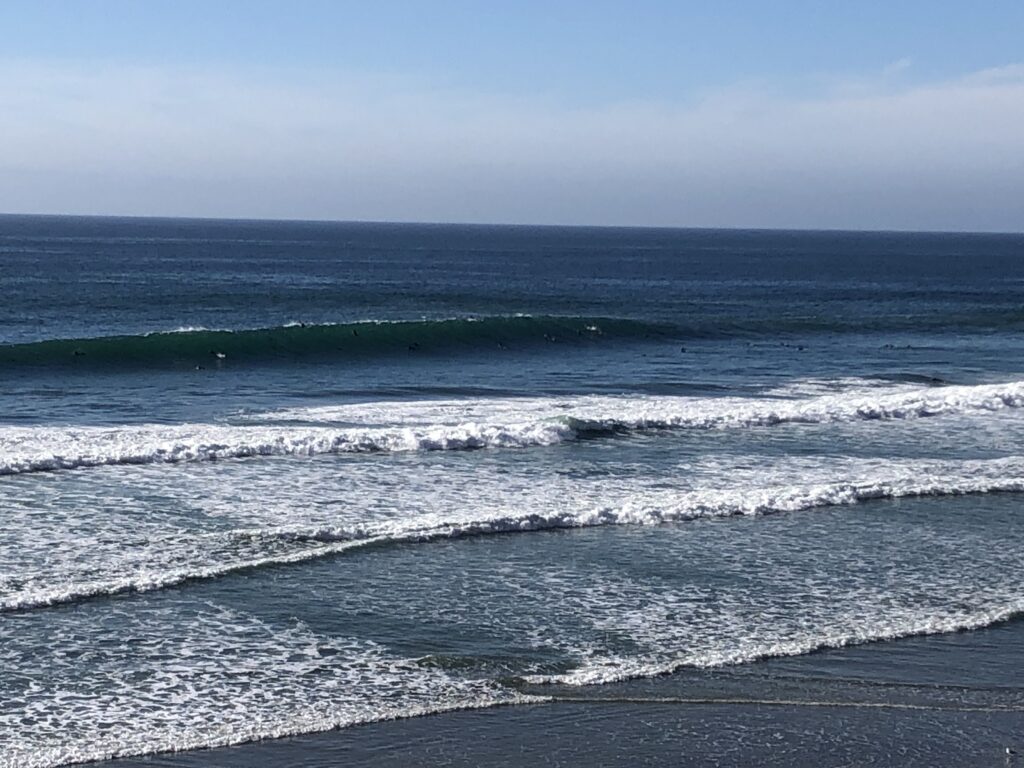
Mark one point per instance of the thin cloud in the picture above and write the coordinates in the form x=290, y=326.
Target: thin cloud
x=939, y=155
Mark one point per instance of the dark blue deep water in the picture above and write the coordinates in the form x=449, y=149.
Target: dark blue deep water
x=260, y=479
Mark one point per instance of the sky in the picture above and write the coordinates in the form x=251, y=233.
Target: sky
x=794, y=114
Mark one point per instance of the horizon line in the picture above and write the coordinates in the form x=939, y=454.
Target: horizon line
x=524, y=225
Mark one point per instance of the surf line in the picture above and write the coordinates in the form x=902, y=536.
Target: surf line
x=679, y=700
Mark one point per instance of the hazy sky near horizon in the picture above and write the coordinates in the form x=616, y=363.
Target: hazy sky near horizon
x=868, y=115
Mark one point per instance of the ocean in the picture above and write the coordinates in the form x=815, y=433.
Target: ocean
x=265, y=480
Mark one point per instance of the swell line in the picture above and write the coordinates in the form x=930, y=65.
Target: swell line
x=201, y=347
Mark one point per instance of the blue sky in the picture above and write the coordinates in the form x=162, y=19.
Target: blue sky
x=903, y=115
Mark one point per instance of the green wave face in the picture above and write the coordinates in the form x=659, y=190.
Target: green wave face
x=189, y=349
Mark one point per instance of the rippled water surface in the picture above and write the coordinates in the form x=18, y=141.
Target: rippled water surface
x=266, y=479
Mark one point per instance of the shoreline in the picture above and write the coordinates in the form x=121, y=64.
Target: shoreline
x=618, y=734
x=941, y=700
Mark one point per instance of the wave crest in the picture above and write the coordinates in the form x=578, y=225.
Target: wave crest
x=191, y=347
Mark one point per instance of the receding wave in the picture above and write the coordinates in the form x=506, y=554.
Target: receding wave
x=192, y=347
x=284, y=545
x=472, y=423
x=871, y=632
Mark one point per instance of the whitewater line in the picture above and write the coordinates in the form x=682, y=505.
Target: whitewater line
x=471, y=424
x=690, y=505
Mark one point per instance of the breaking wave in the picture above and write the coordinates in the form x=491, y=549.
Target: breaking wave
x=189, y=347
x=261, y=547
x=474, y=423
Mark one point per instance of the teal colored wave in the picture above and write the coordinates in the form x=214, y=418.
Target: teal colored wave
x=192, y=348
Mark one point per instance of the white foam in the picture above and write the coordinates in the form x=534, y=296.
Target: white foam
x=848, y=630
x=599, y=412
x=858, y=386
x=185, y=329
x=38, y=449
x=469, y=424
x=186, y=674
x=280, y=521
x=208, y=676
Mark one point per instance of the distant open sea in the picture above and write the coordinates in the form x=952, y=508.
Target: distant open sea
x=267, y=479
